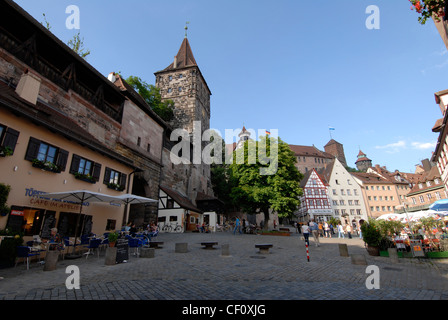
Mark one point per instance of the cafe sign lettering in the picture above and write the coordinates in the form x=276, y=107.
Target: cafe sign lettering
x=37, y=198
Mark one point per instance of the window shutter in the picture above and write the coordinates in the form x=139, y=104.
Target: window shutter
x=75, y=164
x=61, y=161
x=96, y=171
x=11, y=137
x=107, y=176
x=33, y=149
x=123, y=178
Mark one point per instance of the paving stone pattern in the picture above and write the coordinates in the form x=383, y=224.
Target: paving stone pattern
x=245, y=274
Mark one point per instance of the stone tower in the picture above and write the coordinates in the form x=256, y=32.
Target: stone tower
x=183, y=83
x=363, y=163
x=336, y=149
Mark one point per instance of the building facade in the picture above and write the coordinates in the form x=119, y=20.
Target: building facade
x=346, y=194
x=309, y=158
x=380, y=194
x=315, y=202
x=64, y=126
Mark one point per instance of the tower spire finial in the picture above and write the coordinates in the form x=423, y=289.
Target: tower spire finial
x=186, y=28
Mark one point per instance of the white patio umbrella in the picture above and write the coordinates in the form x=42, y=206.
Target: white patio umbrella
x=390, y=216
x=129, y=198
x=79, y=197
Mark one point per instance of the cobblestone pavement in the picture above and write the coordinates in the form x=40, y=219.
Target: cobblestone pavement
x=246, y=274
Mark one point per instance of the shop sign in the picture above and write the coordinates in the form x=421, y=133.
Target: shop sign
x=17, y=213
x=38, y=199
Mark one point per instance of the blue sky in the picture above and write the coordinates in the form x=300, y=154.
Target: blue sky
x=293, y=65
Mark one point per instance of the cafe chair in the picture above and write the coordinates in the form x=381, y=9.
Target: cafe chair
x=69, y=243
x=94, y=244
x=25, y=253
x=135, y=243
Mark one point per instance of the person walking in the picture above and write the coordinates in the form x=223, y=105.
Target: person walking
x=327, y=230
x=340, y=231
x=237, y=226
x=315, y=232
x=348, y=228
x=306, y=233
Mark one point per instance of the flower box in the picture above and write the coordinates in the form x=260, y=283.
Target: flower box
x=437, y=254
x=46, y=165
x=274, y=233
x=86, y=178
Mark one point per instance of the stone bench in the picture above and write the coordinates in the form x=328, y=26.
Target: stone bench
x=155, y=244
x=209, y=245
x=264, y=248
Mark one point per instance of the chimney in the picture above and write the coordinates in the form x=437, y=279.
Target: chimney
x=426, y=164
x=28, y=87
x=111, y=77
x=175, y=62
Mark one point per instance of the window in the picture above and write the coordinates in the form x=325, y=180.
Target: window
x=334, y=192
x=372, y=209
x=148, y=147
x=110, y=225
x=436, y=181
x=40, y=152
x=8, y=138
x=181, y=76
x=348, y=192
x=355, y=192
x=414, y=201
x=84, y=168
x=438, y=195
x=422, y=200
x=350, y=202
x=429, y=196
x=343, y=192
x=342, y=202
x=358, y=212
x=170, y=90
x=139, y=141
x=115, y=179
x=335, y=202
x=180, y=89
x=352, y=212
x=170, y=78
x=356, y=202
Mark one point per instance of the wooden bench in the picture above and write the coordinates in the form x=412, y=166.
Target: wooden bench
x=209, y=245
x=264, y=248
x=155, y=244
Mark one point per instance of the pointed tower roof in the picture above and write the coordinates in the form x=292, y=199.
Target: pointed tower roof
x=362, y=157
x=184, y=57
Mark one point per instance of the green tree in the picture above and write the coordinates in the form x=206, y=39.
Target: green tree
x=278, y=188
x=76, y=43
x=151, y=94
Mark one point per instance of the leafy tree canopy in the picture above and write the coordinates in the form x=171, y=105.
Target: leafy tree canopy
x=260, y=186
x=151, y=94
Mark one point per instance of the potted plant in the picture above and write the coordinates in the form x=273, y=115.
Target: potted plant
x=85, y=177
x=112, y=237
x=5, y=151
x=372, y=237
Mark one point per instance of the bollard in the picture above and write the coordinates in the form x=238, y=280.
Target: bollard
x=51, y=260
x=147, y=252
x=359, y=259
x=111, y=256
x=343, y=250
x=393, y=255
x=181, y=247
x=225, y=250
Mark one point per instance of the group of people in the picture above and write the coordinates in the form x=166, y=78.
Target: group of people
x=324, y=230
